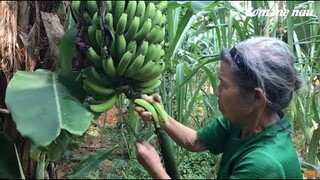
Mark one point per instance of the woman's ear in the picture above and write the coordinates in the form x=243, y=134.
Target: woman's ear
x=259, y=97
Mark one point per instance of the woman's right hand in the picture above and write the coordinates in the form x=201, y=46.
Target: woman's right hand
x=146, y=115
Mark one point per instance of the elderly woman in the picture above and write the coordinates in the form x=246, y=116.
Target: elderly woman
x=257, y=80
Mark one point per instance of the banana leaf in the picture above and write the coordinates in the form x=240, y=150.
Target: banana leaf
x=91, y=163
x=9, y=164
x=41, y=106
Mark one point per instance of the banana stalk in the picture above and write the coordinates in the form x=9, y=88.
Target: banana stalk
x=167, y=154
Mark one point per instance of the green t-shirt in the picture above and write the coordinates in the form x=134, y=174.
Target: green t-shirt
x=268, y=154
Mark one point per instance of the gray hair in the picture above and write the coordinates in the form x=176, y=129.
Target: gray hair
x=269, y=65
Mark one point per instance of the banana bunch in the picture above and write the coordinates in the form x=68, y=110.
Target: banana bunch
x=125, y=45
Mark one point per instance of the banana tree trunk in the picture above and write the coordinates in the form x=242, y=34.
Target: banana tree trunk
x=23, y=46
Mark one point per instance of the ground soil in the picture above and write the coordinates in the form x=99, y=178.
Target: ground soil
x=92, y=144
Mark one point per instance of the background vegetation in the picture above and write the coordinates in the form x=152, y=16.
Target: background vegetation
x=196, y=32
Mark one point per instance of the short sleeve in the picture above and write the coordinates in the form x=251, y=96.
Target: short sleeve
x=214, y=135
x=258, y=164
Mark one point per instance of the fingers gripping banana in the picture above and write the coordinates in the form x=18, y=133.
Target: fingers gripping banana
x=148, y=107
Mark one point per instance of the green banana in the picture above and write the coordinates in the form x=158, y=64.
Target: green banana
x=141, y=8
x=122, y=23
x=94, y=57
x=108, y=7
x=147, y=67
x=132, y=47
x=121, y=45
x=143, y=48
x=134, y=66
x=96, y=21
x=155, y=71
x=152, y=35
x=119, y=9
x=160, y=36
x=124, y=63
x=130, y=11
x=162, y=6
x=157, y=53
x=100, y=38
x=98, y=75
x=113, y=50
x=161, y=112
x=109, y=68
x=87, y=18
x=99, y=108
x=148, y=107
x=150, y=10
x=158, y=18
x=150, y=83
x=108, y=18
x=97, y=90
x=75, y=7
x=92, y=7
x=149, y=90
x=151, y=50
x=92, y=38
x=143, y=31
x=133, y=28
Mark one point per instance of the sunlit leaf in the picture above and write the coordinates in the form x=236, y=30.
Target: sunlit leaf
x=41, y=106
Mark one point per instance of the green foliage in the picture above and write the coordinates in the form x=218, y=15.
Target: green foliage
x=9, y=164
x=91, y=163
x=41, y=110
x=196, y=165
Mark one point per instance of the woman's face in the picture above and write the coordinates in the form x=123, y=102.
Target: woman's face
x=230, y=103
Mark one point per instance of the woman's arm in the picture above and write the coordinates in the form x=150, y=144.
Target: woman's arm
x=183, y=135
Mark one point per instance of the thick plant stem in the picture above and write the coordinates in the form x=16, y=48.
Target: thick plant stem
x=167, y=153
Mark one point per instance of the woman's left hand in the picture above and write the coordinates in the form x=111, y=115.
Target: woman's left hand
x=149, y=158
